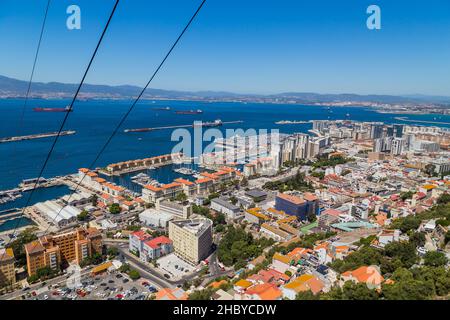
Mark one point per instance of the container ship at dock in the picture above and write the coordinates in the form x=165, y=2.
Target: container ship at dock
x=39, y=109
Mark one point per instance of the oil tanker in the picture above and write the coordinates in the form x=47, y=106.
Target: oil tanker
x=189, y=111
x=66, y=109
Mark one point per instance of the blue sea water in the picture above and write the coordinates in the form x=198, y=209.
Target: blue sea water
x=94, y=121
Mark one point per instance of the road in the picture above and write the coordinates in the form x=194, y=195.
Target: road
x=156, y=277
x=146, y=271
x=57, y=280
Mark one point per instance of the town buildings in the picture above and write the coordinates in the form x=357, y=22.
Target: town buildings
x=297, y=206
x=222, y=205
x=149, y=248
x=7, y=271
x=68, y=247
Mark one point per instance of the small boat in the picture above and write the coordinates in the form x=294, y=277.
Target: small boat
x=139, y=176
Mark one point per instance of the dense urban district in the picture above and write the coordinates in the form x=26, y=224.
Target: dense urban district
x=352, y=210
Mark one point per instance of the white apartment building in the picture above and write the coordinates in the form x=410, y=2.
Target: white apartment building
x=192, y=238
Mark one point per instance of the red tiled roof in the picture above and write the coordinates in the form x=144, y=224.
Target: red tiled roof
x=156, y=242
x=141, y=235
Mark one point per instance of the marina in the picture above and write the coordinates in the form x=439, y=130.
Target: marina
x=186, y=171
x=9, y=195
x=143, y=179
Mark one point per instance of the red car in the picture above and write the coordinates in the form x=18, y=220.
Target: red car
x=119, y=296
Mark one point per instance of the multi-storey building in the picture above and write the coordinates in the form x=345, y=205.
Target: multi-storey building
x=224, y=206
x=148, y=248
x=192, y=239
x=397, y=146
x=376, y=130
x=173, y=208
x=7, y=273
x=297, y=206
x=68, y=247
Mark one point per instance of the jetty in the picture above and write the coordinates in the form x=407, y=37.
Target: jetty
x=215, y=123
x=421, y=121
x=36, y=136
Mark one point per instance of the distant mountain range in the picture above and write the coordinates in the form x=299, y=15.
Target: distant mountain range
x=14, y=88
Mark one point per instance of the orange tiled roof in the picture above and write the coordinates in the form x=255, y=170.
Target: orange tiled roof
x=171, y=294
x=265, y=291
x=152, y=188
x=291, y=198
x=364, y=274
x=243, y=283
x=209, y=175
x=204, y=180
x=171, y=185
x=184, y=181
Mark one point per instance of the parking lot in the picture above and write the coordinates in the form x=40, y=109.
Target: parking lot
x=113, y=286
x=174, y=266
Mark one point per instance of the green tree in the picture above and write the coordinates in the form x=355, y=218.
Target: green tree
x=94, y=200
x=406, y=224
x=134, y=274
x=403, y=251
x=186, y=285
x=444, y=198
x=220, y=228
x=18, y=245
x=201, y=294
x=358, y=291
x=181, y=197
x=418, y=239
x=406, y=195
x=307, y=295
x=114, y=208
x=82, y=216
x=112, y=252
x=125, y=267
x=447, y=237
x=435, y=259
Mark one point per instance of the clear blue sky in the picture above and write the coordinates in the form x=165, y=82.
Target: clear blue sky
x=238, y=45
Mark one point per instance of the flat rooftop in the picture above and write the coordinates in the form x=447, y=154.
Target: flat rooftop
x=195, y=226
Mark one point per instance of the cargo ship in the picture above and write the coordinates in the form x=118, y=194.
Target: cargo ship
x=215, y=123
x=139, y=130
x=66, y=109
x=198, y=111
